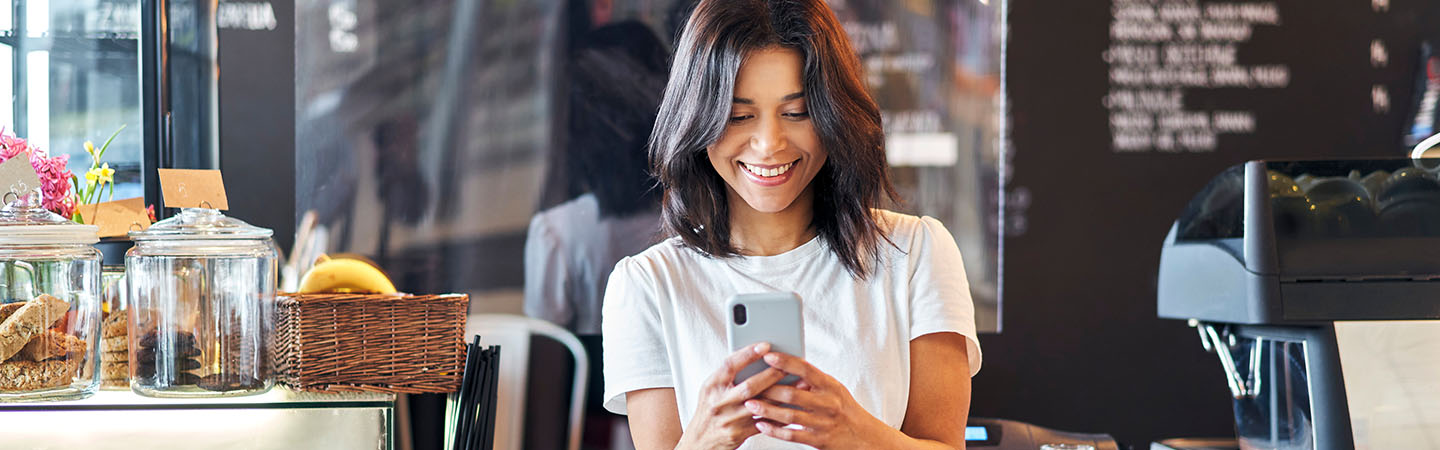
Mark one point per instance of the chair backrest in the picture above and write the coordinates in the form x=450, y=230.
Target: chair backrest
x=512, y=333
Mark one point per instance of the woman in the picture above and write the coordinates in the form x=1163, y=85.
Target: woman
x=772, y=160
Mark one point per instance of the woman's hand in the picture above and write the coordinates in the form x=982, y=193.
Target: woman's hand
x=829, y=415
x=721, y=420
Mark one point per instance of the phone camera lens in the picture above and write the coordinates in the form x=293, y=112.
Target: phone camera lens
x=739, y=314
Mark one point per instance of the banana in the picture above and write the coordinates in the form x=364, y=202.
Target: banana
x=345, y=275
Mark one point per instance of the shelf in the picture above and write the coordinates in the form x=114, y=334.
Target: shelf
x=279, y=397
x=279, y=419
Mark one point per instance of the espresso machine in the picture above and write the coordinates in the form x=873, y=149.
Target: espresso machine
x=1317, y=286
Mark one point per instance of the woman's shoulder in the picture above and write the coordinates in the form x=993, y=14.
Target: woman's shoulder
x=661, y=257
x=905, y=230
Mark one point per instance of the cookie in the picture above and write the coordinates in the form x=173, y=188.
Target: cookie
x=29, y=321
x=9, y=308
x=182, y=339
x=114, y=325
x=50, y=344
x=148, y=354
x=32, y=375
x=117, y=344
x=115, y=370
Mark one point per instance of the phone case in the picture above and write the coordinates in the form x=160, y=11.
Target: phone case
x=769, y=317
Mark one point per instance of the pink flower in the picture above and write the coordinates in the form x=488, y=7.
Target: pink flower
x=54, y=176
x=54, y=182
x=10, y=146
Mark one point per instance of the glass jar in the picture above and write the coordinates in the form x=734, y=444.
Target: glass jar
x=202, y=306
x=49, y=286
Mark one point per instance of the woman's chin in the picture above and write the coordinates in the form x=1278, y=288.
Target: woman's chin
x=769, y=205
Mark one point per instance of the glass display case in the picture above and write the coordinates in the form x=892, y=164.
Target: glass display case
x=278, y=419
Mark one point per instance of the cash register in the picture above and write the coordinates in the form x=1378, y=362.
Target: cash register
x=1317, y=286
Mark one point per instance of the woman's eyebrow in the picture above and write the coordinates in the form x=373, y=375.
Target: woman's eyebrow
x=789, y=97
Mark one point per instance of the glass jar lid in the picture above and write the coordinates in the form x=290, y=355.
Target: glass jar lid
x=201, y=223
x=24, y=222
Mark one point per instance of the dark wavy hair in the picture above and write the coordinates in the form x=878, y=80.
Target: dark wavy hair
x=694, y=112
x=615, y=87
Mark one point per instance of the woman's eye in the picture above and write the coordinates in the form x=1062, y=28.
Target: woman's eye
x=740, y=118
x=797, y=115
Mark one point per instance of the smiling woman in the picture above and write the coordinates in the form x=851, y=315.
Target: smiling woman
x=772, y=161
x=807, y=78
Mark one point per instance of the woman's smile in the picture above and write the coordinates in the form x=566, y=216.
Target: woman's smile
x=768, y=174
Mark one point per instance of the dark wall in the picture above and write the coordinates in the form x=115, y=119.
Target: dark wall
x=257, y=113
x=1082, y=349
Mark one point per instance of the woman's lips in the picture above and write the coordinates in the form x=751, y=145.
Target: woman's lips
x=768, y=175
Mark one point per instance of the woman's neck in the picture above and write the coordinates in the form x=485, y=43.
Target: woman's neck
x=755, y=233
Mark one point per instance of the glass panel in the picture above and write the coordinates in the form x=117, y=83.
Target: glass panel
x=1383, y=216
x=71, y=75
x=348, y=428
x=435, y=136
x=1278, y=416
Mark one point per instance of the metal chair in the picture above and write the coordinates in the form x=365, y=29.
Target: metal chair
x=512, y=333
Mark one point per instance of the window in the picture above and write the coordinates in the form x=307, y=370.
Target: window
x=74, y=77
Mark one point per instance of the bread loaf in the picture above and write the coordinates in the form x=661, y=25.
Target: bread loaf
x=28, y=322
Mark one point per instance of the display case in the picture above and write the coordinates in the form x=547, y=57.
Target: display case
x=278, y=419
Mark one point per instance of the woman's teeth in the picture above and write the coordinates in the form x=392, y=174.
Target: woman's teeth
x=770, y=172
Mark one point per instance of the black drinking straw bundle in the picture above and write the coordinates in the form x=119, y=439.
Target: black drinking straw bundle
x=474, y=416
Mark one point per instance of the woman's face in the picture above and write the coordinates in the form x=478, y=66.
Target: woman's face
x=769, y=151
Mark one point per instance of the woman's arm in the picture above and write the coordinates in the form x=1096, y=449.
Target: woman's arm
x=832, y=419
x=654, y=418
x=939, y=389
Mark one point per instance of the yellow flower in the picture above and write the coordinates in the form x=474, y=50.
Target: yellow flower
x=102, y=174
x=90, y=148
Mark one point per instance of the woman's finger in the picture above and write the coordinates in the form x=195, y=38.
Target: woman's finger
x=796, y=366
x=790, y=395
x=784, y=433
x=779, y=413
x=753, y=386
x=736, y=361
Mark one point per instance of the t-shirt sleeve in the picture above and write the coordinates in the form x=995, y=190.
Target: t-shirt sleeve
x=634, y=337
x=545, y=275
x=940, y=293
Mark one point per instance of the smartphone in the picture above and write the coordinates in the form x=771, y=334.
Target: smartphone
x=772, y=317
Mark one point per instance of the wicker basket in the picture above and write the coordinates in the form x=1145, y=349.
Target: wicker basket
x=408, y=344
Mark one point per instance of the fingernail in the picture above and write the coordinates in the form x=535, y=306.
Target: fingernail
x=764, y=427
x=772, y=358
x=762, y=348
x=752, y=405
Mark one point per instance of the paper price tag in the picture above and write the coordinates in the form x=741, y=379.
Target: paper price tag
x=17, y=177
x=190, y=188
x=117, y=218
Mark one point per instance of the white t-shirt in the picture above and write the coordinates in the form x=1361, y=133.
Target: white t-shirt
x=568, y=256
x=664, y=315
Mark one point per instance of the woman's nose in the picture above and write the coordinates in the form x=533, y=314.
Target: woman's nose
x=768, y=137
